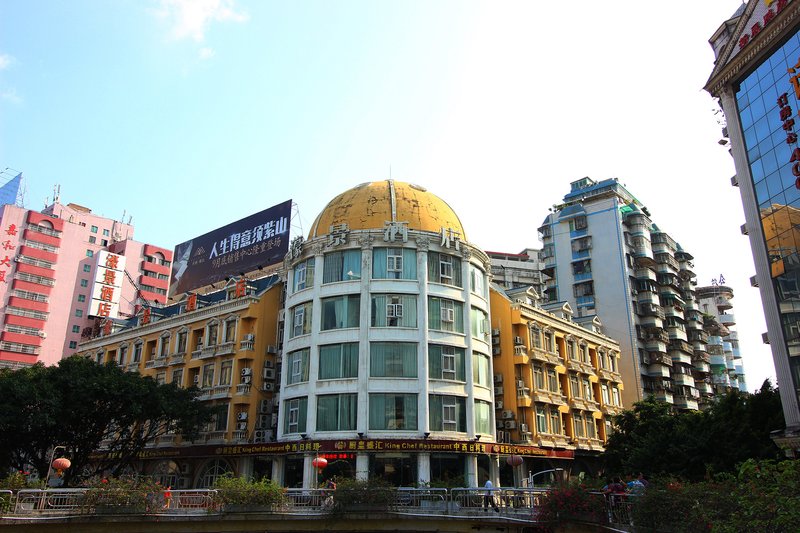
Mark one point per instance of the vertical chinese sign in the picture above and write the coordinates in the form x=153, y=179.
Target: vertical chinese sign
x=109, y=273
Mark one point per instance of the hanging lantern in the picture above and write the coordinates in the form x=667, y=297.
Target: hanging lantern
x=514, y=460
x=319, y=463
x=61, y=464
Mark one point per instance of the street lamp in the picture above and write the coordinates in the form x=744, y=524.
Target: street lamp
x=531, y=476
x=50, y=463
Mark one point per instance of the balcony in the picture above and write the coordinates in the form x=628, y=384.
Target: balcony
x=176, y=359
x=685, y=402
x=659, y=358
x=226, y=348
x=683, y=379
x=243, y=389
x=664, y=396
x=727, y=319
x=521, y=355
x=247, y=345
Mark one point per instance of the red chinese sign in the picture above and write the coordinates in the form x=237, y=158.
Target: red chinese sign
x=756, y=28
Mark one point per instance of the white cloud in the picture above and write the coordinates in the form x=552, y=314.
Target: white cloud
x=10, y=95
x=5, y=61
x=206, y=53
x=191, y=18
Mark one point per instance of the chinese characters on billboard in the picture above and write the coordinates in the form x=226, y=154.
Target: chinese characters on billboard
x=256, y=241
x=107, y=288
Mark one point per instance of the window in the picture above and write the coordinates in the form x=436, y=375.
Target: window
x=221, y=417
x=123, y=354
x=297, y=367
x=443, y=268
x=161, y=377
x=103, y=242
x=78, y=313
x=574, y=389
x=552, y=380
x=571, y=350
x=481, y=369
x=301, y=319
x=541, y=419
x=230, y=330
x=73, y=344
x=177, y=377
x=615, y=396
x=181, y=344
x=137, y=352
x=76, y=329
x=605, y=395
x=483, y=421
x=304, y=275
x=393, y=360
x=225, y=372
x=394, y=263
x=341, y=266
x=81, y=297
x=296, y=414
x=476, y=281
x=92, y=240
x=479, y=323
x=105, y=233
x=84, y=283
x=163, y=345
x=555, y=421
x=590, y=428
x=549, y=345
x=208, y=376
x=446, y=315
x=212, y=331
x=89, y=253
x=390, y=310
x=587, y=389
x=337, y=361
x=337, y=412
x=87, y=268
x=447, y=413
x=577, y=419
x=536, y=337
x=94, y=229
x=538, y=377
x=341, y=312
x=393, y=412
x=446, y=362
x=578, y=223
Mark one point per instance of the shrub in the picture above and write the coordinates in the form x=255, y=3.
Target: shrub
x=375, y=494
x=129, y=492
x=571, y=501
x=233, y=490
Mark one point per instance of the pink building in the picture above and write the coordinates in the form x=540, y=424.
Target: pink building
x=52, y=286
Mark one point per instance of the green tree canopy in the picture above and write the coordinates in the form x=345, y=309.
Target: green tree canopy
x=655, y=439
x=102, y=415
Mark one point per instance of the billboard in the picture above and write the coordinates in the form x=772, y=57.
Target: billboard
x=108, y=275
x=256, y=241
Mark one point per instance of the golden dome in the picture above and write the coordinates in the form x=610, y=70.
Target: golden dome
x=369, y=205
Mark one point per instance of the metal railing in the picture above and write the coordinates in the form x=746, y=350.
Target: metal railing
x=514, y=503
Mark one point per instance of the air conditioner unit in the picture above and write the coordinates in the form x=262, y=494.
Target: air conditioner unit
x=241, y=416
x=498, y=391
x=523, y=428
x=265, y=406
x=241, y=426
x=498, y=378
x=268, y=373
x=495, y=332
x=500, y=424
x=520, y=384
x=249, y=337
x=268, y=364
x=495, y=350
x=495, y=341
x=511, y=424
x=448, y=315
x=246, y=379
x=507, y=415
x=518, y=340
x=498, y=404
x=260, y=436
x=247, y=371
x=269, y=387
x=272, y=349
x=274, y=421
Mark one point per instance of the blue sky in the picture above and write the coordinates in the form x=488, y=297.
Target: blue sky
x=187, y=115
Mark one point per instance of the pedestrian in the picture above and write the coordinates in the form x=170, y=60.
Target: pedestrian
x=489, y=497
x=167, y=497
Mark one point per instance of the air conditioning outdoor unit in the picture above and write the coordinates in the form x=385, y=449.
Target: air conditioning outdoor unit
x=241, y=426
x=274, y=421
x=498, y=378
x=265, y=406
x=272, y=349
x=511, y=424
x=523, y=428
x=518, y=340
x=241, y=416
x=260, y=436
x=246, y=379
x=263, y=421
x=247, y=371
x=249, y=337
x=498, y=391
x=269, y=387
x=498, y=404
x=495, y=350
x=268, y=364
x=520, y=384
x=507, y=415
x=495, y=332
x=269, y=373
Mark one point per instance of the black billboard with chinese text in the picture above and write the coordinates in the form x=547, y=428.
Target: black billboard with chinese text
x=256, y=241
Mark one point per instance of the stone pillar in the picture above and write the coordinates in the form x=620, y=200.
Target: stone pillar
x=362, y=466
x=423, y=468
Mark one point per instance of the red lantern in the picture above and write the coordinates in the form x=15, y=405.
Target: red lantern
x=514, y=460
x=320, y=463
x=61, y=464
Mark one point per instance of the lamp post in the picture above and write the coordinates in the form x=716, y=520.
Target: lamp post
x=50, y=463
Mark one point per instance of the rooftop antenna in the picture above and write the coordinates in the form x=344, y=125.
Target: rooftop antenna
x=56, y=194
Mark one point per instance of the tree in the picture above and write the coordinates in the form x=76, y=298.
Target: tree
x=103, y=416
x=655, y=439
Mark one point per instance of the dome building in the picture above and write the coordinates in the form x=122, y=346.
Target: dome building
x=386, y=365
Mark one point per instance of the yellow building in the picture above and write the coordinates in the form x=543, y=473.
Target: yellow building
x=225, y=343
x=557, y=380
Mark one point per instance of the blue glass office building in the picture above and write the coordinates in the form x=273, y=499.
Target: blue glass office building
x=757, y=80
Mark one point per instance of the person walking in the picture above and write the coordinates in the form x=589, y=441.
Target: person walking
x=489, y=497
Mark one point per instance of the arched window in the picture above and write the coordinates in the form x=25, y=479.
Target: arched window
x=212, y=471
